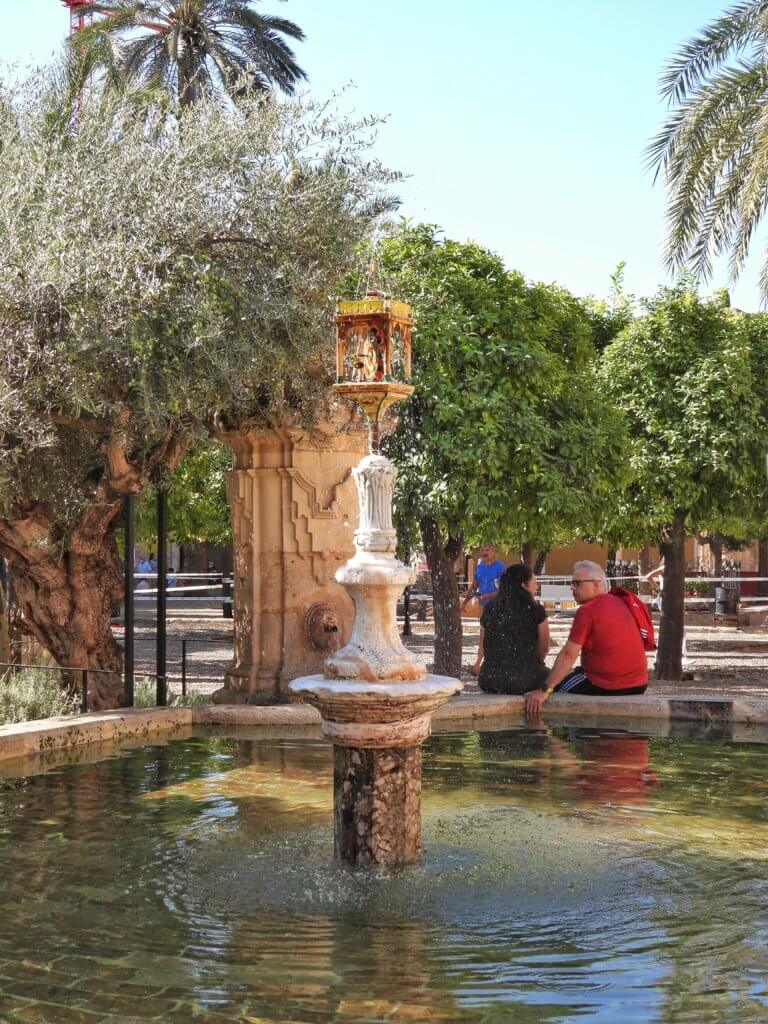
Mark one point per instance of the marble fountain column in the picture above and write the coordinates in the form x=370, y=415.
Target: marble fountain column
x=376, y=700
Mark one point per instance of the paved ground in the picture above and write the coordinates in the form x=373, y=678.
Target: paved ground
x=723, y=660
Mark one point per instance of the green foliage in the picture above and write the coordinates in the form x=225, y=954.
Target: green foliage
x=689, y=376
x=145, y=696
x=609, y=318
x=699, y=588
x=198, y=509
x=713, y=148
x=508, y=436
x=31, y=694
x=188, y=47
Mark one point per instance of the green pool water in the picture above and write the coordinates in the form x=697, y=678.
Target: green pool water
x=569, y=876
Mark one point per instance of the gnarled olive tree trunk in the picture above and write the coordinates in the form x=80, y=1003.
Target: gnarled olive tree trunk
x=445, y=597
x=66, y=573
x=5, y=624
x=67, y=587
x=669, y=659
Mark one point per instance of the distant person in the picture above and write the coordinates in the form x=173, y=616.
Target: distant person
x=658, y=575
x=214, y=578
x=606, y=635
x=514, y=636
x=170, y=577
x=485, y=585
x=143, y=571
x=152, y=562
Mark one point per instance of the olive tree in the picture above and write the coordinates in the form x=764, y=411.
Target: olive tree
x=162, y=273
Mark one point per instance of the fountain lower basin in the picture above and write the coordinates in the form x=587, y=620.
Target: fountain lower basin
x=211, y=893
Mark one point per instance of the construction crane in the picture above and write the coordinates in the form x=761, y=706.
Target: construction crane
x=77, y=19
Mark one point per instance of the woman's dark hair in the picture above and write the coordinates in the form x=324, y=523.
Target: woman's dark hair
x=511, y=585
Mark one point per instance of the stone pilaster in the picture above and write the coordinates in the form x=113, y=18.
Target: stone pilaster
x=294, y=514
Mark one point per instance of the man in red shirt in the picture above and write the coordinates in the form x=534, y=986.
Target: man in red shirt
x=607, y=637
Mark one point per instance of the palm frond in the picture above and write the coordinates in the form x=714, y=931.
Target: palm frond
x=203, y=40
x=727, y=36
x=734, y=91
x=715, y=233
x=713, y=148
x=236, y=74
x=753, y=197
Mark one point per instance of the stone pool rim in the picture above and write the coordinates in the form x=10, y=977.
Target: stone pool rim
x=146, y=724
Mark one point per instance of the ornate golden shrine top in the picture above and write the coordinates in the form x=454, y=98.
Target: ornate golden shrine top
x=347, y=307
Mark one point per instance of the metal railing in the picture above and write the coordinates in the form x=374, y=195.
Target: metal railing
x=9, y=667
x=186, y=642
x=161, y=681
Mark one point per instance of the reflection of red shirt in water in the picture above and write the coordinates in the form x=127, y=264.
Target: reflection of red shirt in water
x=615, y=768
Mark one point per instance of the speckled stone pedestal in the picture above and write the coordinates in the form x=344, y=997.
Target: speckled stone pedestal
x=377, y=805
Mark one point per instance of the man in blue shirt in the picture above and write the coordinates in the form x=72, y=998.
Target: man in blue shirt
x=485, y=585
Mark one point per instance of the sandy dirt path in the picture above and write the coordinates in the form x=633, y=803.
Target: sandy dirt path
x=723, y=660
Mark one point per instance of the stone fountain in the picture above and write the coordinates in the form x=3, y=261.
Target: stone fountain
x=376, y=700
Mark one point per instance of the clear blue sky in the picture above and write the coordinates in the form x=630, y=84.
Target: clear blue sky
x=522, y=125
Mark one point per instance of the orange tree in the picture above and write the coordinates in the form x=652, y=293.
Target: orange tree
x=198, y=509
x=689, y=376
x=508, y=437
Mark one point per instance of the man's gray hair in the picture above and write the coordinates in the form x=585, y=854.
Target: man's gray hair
x=595, y=571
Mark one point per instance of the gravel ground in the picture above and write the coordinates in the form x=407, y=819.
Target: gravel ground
x=723, y=660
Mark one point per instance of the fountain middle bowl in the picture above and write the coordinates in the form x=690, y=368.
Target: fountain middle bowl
x=359, y=713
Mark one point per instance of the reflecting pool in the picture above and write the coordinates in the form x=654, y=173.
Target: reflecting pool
x=569, y=875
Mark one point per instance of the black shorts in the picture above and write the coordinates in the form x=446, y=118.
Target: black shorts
x=577, y=681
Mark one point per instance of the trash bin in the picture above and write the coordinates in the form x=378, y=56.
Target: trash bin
x=726, y=601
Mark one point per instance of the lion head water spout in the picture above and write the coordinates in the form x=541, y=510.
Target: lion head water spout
x=375, y=699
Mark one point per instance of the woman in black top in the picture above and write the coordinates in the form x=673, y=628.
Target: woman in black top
x=514, y=636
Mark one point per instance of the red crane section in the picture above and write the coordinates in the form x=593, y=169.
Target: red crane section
x=77, y=19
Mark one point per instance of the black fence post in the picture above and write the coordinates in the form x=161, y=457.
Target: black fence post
x=84, y=702
x=407, y=631
x=226, y=597
x=184, y=667
x=128, y=599
x=162, y=594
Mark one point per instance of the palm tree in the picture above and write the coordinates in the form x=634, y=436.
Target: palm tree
x=187, y=47
x=713, y=147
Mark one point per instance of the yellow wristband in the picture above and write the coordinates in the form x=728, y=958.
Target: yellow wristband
x=549, y=689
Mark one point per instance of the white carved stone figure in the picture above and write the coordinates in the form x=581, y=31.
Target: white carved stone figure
x=375, y=480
